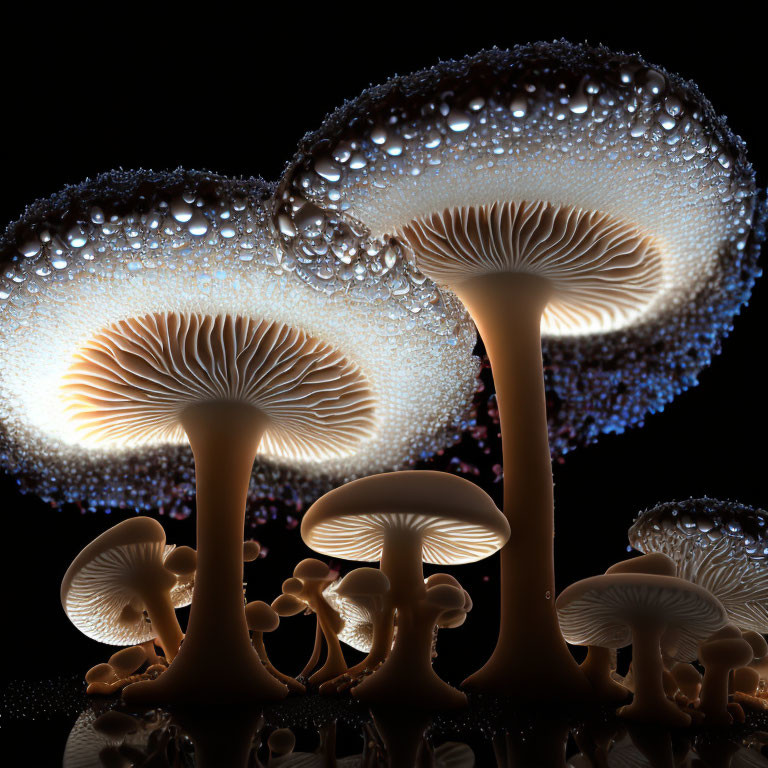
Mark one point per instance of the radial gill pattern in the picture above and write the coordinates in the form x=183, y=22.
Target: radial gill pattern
x=131, y=383
x=357, y=631
x=155, y=254
x=602, y=273
x=444, y=541
x=569, y=126
x=720, y=545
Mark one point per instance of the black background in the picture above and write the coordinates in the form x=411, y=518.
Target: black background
x=233, y=94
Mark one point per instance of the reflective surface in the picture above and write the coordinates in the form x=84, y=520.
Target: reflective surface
x=53, y=723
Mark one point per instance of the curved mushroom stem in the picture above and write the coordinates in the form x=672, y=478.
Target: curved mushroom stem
x=216, y=661
x=383, y=631
x=257, y=640
x=651, y=704
x=714, y=694
x=335, y=663
x=407, y=677
x=316, y=651
x=164, y=622
x=597, y=667
x=531, y=659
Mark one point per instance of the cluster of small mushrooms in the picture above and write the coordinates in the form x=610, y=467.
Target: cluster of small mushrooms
x=161, y=332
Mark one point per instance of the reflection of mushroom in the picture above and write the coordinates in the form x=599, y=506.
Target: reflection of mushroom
x=720, y=654
x=403, y=519
x=721, y=545
x=178, y=327
x=360, y=600
x=627, y=605
x=262, y=618
x=559, y=191
x=117, y=577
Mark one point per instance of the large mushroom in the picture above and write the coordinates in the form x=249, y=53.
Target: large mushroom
x=564, y=193
x=404, y=519
x=642, y=602
x=153, y=329
x=117, y=579
x=721, y=545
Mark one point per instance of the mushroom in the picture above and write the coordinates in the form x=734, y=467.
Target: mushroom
x=115, y=579
x=359, y=598
x=181, y=336
x=560, y=192
x=721, y=545
x=251, y=550
x=649, y=610
x=310, y=578
x=688, y=680
x=721, y=653
x=403, y=519
x=263, y=618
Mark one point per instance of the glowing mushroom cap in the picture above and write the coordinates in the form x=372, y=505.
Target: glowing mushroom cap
x=105, y=579
x=610, y=178
x=128, y=298
x=720, y=545
x=602, y=610
x=457, y=521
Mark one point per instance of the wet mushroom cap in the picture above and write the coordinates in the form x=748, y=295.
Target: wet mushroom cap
x=720, y=545
x=123, y=290
x=457, y=521
x=602, y=610
x=604, y=175
x=98, y=584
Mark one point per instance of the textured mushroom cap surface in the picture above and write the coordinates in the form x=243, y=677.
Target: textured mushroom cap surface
x=601, y=611
x=721, y=545
x=261, y=616
x=193, y=251
x=101, y=581
x=546, y=140
x=456, y=520
x=357, y=615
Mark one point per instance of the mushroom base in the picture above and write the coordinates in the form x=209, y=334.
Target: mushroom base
x=531, y=659
x=216, y=661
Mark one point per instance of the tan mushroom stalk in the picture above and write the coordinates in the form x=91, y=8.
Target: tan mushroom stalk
x=598, y=666
x=310, y=579
x=262, y=618
x=641, y=602
x=720, y=654
x=119, y=577
x=548, y=189
x=403, y=519
x=290, y=605
x=180, y=337
x=361, y=600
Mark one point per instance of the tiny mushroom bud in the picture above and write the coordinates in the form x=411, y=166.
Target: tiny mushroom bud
x=251, y=550
x=182, y=561
x=688, y=680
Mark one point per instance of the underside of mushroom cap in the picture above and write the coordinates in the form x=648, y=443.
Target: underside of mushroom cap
x=357, y=631
x=721, y=545
x=99, y=583
x=601, y=611
x=456, y=520
x=575, y=128
x=129, y=245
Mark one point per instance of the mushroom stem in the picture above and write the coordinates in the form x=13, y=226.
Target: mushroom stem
x=316, y=650
x=216, y=661
x=164, y=622
x=597, y=667
x=401, y=562
x=335, y=663
x=650, y=704
x=531, y=658
x=257, y=639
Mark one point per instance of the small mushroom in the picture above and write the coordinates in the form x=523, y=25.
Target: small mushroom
x=648, y=610
x=720, y=654
x=262, y=618
x=115, y=579
x=746, y=680
x=688, y=680
x=251, y=550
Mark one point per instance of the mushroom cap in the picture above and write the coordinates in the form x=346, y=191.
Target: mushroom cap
x=553, y=143
x=181, y=561
x=288, y=605
x=355, y=611
x=104, y=578
x=311, y=569
x=127, y=660
x=601, y=611
x=363, y=582
x=292, y=586
x=720, y=545
x=686, y=674
x=758, y=643
x=261, y=617
x=111, y=276
x=251, y=550
x=457, y=521
x=654, y=562
x=732, y=652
